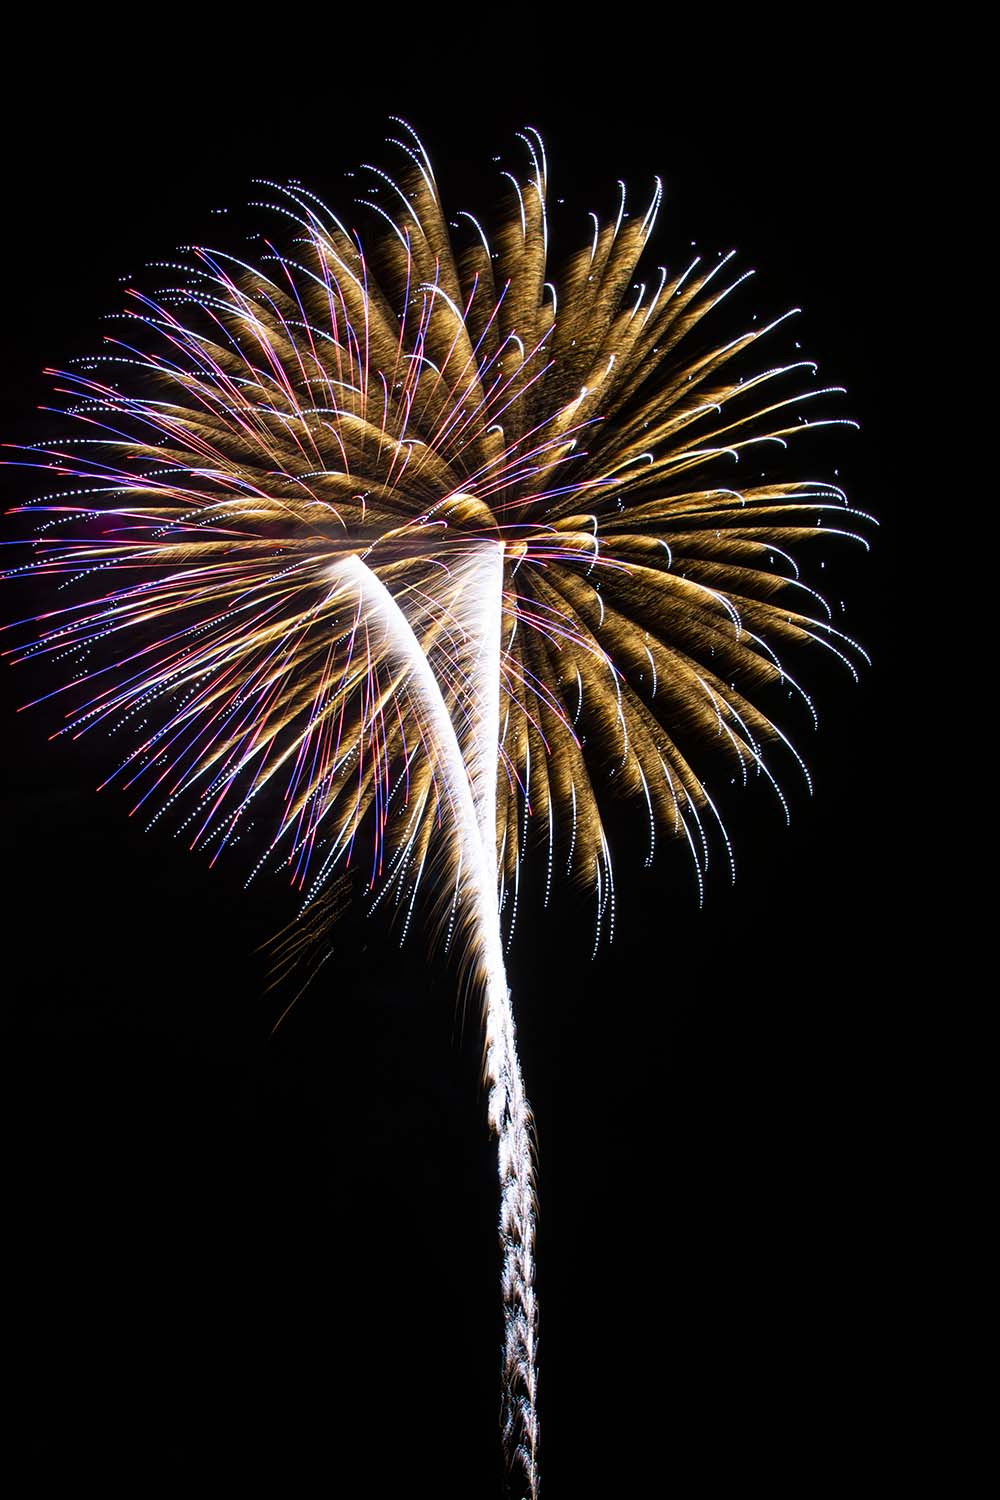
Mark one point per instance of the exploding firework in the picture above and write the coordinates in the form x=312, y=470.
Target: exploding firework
x=407, y=552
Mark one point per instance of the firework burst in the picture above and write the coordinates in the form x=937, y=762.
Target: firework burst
x=407, y=551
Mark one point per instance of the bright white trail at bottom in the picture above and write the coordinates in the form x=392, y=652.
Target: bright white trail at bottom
x=471, y=784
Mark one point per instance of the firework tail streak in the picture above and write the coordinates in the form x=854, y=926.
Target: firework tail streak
x=471, y=780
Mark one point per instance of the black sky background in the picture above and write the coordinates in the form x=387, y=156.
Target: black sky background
x=273, y=1259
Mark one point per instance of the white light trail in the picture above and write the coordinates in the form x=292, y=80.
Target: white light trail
x=471, y=781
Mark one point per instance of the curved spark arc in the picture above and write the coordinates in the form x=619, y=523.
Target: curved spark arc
x=471, y=780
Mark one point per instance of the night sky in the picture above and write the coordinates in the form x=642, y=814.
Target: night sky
x=238, y=1257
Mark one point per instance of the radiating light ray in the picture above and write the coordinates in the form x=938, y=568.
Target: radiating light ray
x=417, y=547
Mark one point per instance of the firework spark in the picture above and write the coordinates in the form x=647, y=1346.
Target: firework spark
x=402, y=552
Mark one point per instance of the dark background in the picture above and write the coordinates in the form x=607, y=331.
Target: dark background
x=250, y=1258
